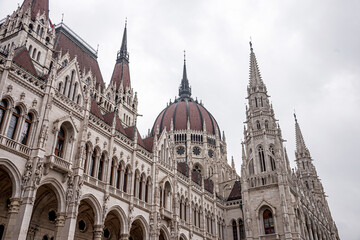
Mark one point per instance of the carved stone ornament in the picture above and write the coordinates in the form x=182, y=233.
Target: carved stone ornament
x=22, y=96
x=27, y=174
x=34, y=103
x=38, y=172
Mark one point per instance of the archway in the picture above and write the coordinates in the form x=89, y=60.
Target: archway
x=5, y=195
x=112, y=226
x=44, y=215
x=137, y=231
x=163, y=235
x=85, y=221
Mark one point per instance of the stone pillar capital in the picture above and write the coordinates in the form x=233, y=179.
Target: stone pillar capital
x=124, y=236
x=14, y=205
x=60, y=220
x=98, y=232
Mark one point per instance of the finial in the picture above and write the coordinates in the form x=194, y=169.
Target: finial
x=251, y=48
x=184, y=56
x=295, y=115
x=125, y=22
x=62, y=17
x=97, y=49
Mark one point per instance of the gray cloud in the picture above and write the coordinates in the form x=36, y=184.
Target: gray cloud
x=308, y=52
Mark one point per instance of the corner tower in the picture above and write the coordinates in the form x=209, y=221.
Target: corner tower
x=29, y=26
x=265, y=168
x=125, y=98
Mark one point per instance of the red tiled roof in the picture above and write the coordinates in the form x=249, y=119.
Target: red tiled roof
x=149, y=142
x=183, y=168
x=131, y=131
x=41, y=6
x=22, y=58
x=95, y=109
x=180, y=111
x=235, y=192
x=121, y=72
x=108, y=118
x=209, y=185
x=85, y=60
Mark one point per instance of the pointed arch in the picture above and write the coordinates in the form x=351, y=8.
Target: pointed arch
x=58, y=189
x=120, y=213
x=14, y=175
x=96, y=206
x=143, y=225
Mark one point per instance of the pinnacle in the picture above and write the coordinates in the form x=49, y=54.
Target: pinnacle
x=300, y=142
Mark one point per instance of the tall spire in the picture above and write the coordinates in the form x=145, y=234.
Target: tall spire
x=255, y=77
x=121, y=73
x=123, y=53
x=184, y=89
x=300, y=143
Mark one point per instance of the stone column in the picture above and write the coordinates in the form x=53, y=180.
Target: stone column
x=124, y=236
x=59, y=226
x=12, y=217
x=98, y=232
x=23, y=218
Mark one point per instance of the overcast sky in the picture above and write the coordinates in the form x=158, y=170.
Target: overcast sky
x=308, y=52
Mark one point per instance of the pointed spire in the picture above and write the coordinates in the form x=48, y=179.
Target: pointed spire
x=123, y=53
x=232, y=162
x=184, y=89
x=300, y=143
x=255, y=77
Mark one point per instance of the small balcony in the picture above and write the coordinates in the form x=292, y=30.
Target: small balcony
x=167, y=214
x=58, y=164
x=12, y=145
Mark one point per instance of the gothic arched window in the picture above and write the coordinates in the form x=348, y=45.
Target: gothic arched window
x=86, y=157
x=66, y=83
x=266, y=124
x=258, y=126
x=59, y=149
x=101, y=167
x=26, y=129
x=13, y=123
x=92, y=163
x=268, y=222
x=147, y=188
x=118, y=176
x=126, y=175
x=272, y=160
x=234, y=228
x=251, y=167
x=112, y=172
x=141, y=187
x=38, y=56
x=262, y=159
x=241, y=229
x=3, y=108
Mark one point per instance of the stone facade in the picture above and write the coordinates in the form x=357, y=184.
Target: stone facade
x=74, y=166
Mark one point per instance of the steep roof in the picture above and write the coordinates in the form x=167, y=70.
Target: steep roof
x=68, y=41
x=22, y=59
x=235, y=192
x=121, y=75
x=94, y=109
x=109, y=117
x=36, y=6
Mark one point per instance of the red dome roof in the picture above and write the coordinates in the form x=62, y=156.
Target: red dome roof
x=180, y=111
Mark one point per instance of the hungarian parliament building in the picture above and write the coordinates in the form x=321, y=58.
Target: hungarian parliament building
x=73, y=164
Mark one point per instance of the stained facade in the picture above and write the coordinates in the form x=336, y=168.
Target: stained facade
x=73, y=164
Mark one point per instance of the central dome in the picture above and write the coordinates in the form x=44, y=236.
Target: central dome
x=183, y=109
